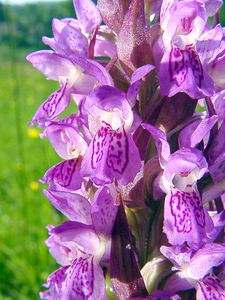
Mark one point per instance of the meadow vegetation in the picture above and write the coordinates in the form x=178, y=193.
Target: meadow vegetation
x=25, y=212
x=24, y=259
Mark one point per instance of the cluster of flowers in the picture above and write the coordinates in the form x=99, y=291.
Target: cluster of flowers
x=142, y=181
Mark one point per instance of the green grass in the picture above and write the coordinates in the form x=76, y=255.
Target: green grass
x=25, y=212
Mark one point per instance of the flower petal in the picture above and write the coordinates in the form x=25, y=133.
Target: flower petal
x=52, y=107
x=73, y=206
x=141, y=72
x=178, y=255
x=182, y=71
x=71, y=239
x=210, y=289
x=185, y=218
x=185, y=166
x=136, y=81
x=96, y=70
x=84, y=280
x=112, y=153
x=192, y=134
x=219, y=104
x=161, y=143
x=209, y=44
x=87, y=14
x=65, y=137
x=72, y=43
x=209, y=256
x=103, y=211
x=54, y=284
x=177, y=282
x=217, y=147
x=212, y=6
x=52, y=65
x=165, y=12
x=64, y=175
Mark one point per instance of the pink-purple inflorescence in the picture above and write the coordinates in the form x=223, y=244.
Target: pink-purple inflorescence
x=141, y=178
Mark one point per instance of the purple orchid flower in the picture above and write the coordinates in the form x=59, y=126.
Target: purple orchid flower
x=70, y=66
x=81, y=277
x=181, y=70
x=194, y=270
x=211, y=47
x=66, y=137
x=185, y=218
x=113, y=180
x=80, y=248
x=112, y=152
x=184, y=212
x=101, y=38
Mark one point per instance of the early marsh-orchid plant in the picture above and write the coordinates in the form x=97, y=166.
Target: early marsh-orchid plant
x=142, y=176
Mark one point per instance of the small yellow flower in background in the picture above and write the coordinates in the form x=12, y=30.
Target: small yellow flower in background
x=33, y=133
x=34, y=186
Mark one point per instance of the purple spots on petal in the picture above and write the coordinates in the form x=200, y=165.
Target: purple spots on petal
x=51, y=104
x=183, y=205
x=196, y=203
x=57, y=277
x=183, y=61
x=63, y=172
x=118, y=135
x=82, y=275
x=54, y=284
x=112, y=145
x=118, y=156
x=70, y=120
x=181, y=211
x=212, y=289
x=178, y=66
x=119, y=144
x=103, y=211
x=196, y=66
x=98, y=147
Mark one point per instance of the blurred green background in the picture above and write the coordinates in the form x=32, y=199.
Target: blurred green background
x=24, y=212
